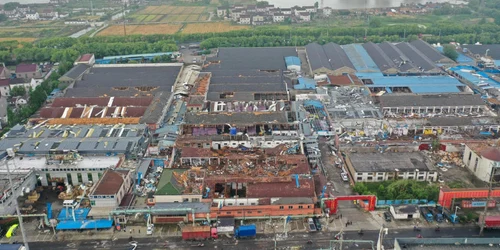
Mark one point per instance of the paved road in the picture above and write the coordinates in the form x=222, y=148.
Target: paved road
x=320, y=240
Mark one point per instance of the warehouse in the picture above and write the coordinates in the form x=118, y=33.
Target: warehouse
x=430, y=52
x=248, y=74
x=481, y=159
x=119, y=139
x=450, y=104
x=126, y=80
x=328, y=59
x=377, y=167
x=292, y=63
x=414, y=84
x=361, y=59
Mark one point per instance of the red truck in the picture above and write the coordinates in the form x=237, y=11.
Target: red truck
x=199, y=232
x=492, y=222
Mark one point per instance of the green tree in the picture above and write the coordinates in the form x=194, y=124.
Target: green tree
x=262, y=3
x=3, y=17
x=450, y=52
x=11, y=6
x=18, y=91
x=375, y=23
x=316, y=4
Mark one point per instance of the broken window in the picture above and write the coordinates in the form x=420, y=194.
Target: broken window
x=225, y=95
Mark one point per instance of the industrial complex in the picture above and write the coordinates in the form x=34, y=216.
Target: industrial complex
x=251, y=134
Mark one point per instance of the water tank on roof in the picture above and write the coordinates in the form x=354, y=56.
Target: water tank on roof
x=233, y=131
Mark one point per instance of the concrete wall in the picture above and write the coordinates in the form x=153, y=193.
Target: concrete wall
x=74, y=176
x=237, y=202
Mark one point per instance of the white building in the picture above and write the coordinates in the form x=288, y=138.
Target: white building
x=286, y=11
x=111, y=188
x=405, y=212
x=376, y=167
x=221, y=11
x=305, y=16
x=32, y=16
x=327, y=11
x=68, y=168
x=310, y=9
x=481, y=159
x=278, y=17
x=245, y=19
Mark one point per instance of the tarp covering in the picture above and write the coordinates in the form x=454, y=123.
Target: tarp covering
x=84, y=224
x=80, y=214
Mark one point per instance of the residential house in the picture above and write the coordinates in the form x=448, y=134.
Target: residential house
x=298, y=10
x=278, y=17
x=327, y=11
x=4, y=87
x=261, y=8
x=20, y=82
x=245, y=19
x=32, y=16
x=260, y=18
x=111, y=188
x=235, y=15
x=310, y=9
x=238, y=7
x=221, y=11
x=18, y=101
x=3, y=110
x=88, y=59
x=269, y=7
x=251, y=9
x=48, y=13
x=273, y=10
x=4, y=72
x=28, y=71
x=286, y=11
x=305, y=16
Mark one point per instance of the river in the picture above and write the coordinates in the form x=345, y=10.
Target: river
x=354, y=4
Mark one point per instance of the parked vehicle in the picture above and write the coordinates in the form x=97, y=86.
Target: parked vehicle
x=491, y=222
x=13, y=246
x=437, y=215
x=317, y=223
x=387, y=216
x=312, y=226
x=245, y=231
x=450, y=216
x=427, y=214
x=190, y=232
x=344, y=176
x=149, y=231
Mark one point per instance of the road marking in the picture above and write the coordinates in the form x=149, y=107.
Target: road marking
x=71, y=245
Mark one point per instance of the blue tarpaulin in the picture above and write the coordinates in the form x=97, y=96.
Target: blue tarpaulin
x=292, y=60
x=80, y=214
x=84, y=224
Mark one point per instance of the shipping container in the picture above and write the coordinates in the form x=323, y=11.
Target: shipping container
x=196, y=232
x=477, y=203
x=245, y=231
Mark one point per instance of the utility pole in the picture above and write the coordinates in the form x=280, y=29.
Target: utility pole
x=19, y=217
x=490, y=189
x=124, y=28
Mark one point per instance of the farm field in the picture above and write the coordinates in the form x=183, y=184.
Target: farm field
x=167, y=13
x=117, y=30
x=211, y=27
x=19, y=39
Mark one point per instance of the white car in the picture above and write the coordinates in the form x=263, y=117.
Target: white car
x=344, y=176
x=149, y=231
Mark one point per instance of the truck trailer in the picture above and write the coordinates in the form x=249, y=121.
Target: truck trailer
x=491, y=222
x=427, y=214
x=199, y=232
x=245, y=231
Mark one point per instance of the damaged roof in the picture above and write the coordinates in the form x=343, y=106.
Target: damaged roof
x=168, y=185
x=389, y=162
x=431, y=100
x=236, y=118
x=110, y=182
x=281, y=189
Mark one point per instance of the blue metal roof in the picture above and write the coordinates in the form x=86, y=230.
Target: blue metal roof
x=292, y=60
x=475, y=76
x=84, y=224
x=305, y=83
x=419, y=84
x=461, y=57
x=360, y=58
